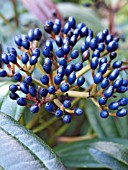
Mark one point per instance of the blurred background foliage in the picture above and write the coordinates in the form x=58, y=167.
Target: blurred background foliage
x=18, y=16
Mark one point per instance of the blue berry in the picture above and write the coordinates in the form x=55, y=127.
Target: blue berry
x=57, y=79
x=36, y=52
x=26, y=44
x=72, y=22
x=64, y=87
x=3, y=73
x=21, y=101
x=43, y=92
x=67, y=119
x=113, y=105
x=109, y=91
x=12, y=51
x=101, y=47
x=58, y=113
x=12, y=58
x=24, y=58
x=59, y=41
x=37, y=34
x=90, y=32
x=96, y=53
x=60, y=52
x=66, y=49
x=104, y=114
x=51, y=89
x=80, y=25
x=62, y=61
x=98, y=77
x=31, y=34
x=33, y=60
x=28, y=80
x=78, y=111
x=24, y=88
x=80, y=81
x=85, y=55
x=66, y=28
x=34, y=108
x=123, y=101
x=117, y=83
x=18, y=41
x=46, y=52
x=125, y=83
x=102, y=100
x=100, y=37
x=58, y=22
x=32, y=91
x=74, y=54
x=47, y=61
x=66, y=41
x=114, y=74
x=13, y=96
x=121, y=112
x=103, y=60
x=94, y=63
x=113, y=55
x=69, y=69
x=103, y=68
x=76, y=32
x=78, y=66
x=105, y=31
x=13, y=88
x=56, y=29
x=104, y=83
x=67, y=103
x=49, y=107
x=121, y=89
x=112, y=46
x=117, y=64
x=87, y=41
x=44, y=79
x=48, y=26
x=72, y=78
x=47, y=68
x=73, y=40
x=61, y=71
x=49, y=44
x=17, y=76
x=84, y=31
x=4, y=58
x=109, y=38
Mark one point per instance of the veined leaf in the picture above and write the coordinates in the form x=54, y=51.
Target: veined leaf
x=7, y=105
x=20, y=149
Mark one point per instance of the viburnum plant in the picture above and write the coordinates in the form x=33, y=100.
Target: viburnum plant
x=62, y=79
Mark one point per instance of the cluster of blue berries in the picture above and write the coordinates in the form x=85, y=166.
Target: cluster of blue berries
x=61, y=78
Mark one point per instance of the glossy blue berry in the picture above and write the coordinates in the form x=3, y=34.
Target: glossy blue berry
x=66, y=28
x=58, y=113
x=32, y=91
x=125, y=83
x=105, y=31
x=3, y=73
x=85, y=55
x=51, y=89
x=90, y=32
x=58, y=22
x=102, y=100
x=76, y=32
x=4, y=58
x=72, y=22
x=80, y=81
x=46, y=52
x=67, y=103
x=121, y=89
x=114, y=74
x=49, y=44
x=67, y=119
x=43, y=92
x=24, y=88
x=103, y=68
x=24, y=58
x=69, y=69
x=84, y=31
x=78, y=111
x=74, y=54
x=61, y=71
x=80, y=25
x=17, y=76
x=13, y=88
x=73, y=40
x=28, y=79
x=123, y=101
x=64, y=87
x=59, y=41
x=78, y=66
x=44, y=79
x=12, y=58
x=36, y=52
x=103, y=60
x=94, y=63
x=31, y=35
x=104, y=83
x=66, y=41
x=12, y=51
x=37, y=34
x=49, y=107
x=56, y=29
x=26, y=44
x=101, y=47
x=93, y=44
x=113, y=105
x=100, y=37
x=117, y=64
x=34, y=108
x=48, y=27
x=109, y=91
x=96, y=53
x=13, y=96
x=121, y=112
x=60, y=52
x=72, y=78
x=47, y=68
x=109, y=38
x=87, y=41
x=33, y=60
x=47, y=61
x=117, y=83
x=66, y=49
x=104, y=114
x=21, y=101
x=98, y=77
x=62, y=61
x=57, y=79
x=112, y=46
x=18, y=41
x=113, y=55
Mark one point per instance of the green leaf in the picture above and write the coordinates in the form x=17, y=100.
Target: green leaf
x=7, y=105
x=111, y=155
x=77, y=154
x=21, y=149
x=81, y=14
